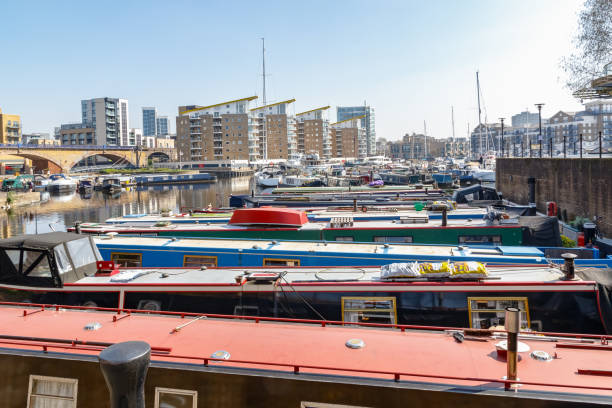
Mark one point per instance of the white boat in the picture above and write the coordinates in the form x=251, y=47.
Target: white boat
x=268, y=177
x=297, y=181
x=60, y=183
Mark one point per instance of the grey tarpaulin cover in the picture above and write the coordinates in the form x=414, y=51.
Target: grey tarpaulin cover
x=603, y=277
x=541, y=231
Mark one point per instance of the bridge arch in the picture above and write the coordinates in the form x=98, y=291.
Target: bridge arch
x=115, y=157
x=158, y=157
x=41, y=162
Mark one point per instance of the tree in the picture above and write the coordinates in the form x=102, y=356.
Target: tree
x=592, y=43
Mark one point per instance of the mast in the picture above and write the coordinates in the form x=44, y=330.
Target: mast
x=263, y=64
x=425, y=137
x=479, y=112
x=453, y=120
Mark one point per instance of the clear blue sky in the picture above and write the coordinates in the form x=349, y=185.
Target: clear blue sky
x=411, y=60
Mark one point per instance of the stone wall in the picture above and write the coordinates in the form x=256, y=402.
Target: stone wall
x=582, y=187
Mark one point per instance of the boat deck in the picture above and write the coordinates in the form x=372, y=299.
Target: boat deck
x=386, y=355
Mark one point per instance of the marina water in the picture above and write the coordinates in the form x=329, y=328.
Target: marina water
x=62, y=211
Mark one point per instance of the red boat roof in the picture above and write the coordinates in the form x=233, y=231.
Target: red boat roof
x=427, y=356
x=269, y=216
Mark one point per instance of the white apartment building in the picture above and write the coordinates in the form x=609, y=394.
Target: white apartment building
x=109, y=118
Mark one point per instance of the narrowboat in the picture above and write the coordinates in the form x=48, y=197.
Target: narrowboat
x=152, y=179
x=64, y=268
x=177, y=252
x=314, y=215
x=120, y=358
x=18, y=183
x=289, y=224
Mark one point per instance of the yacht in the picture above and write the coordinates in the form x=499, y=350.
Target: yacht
x=60, y=183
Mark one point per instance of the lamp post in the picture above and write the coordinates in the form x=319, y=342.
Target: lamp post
x=502, y=136
x=539, y=105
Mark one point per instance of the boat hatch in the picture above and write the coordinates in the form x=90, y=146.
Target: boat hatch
x=285, y=217
x=264, y=276
x=47, y=260
x=520, y=251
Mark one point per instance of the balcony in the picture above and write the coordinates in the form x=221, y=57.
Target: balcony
x=12, y=125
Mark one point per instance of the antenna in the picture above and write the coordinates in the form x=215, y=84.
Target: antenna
x=263, y=64
x=479, y=112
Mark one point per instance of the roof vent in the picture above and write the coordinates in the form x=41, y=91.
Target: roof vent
x=540, y=355
x=220, y=355
x=92, y=326
x=355, y=343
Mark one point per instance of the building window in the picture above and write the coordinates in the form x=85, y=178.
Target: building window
x=197, y=261
x=345, y=239
x=127, y=260
x=172, y=398
x=52, y=392
x=281, y=262
x=486, y=312
x=369, y=310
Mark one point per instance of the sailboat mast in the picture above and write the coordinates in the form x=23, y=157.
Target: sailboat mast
x=263, y=65
x=425, y=137
x=479, y=113
x=453, y=120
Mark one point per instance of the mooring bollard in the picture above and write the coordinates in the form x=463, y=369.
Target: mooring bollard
x=124, y=366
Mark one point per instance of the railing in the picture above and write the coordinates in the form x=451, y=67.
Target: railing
x=61, y=147
x=166, y=352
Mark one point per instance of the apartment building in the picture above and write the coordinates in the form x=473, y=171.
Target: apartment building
x=275, y=130
x=10, y=128
x=223, y=131
x=368, y=122
x=162, y=128
x=109, y=119
x=348, y=138
x=313, y=135
x=77, y=134
x=149, y=121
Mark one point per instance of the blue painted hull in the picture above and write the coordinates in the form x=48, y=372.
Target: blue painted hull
x=163, y=256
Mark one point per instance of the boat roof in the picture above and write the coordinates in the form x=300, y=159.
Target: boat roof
x=315, y=276
x=314, y=246
x=242, y=223
x=278, y=347
x=47, y=240
x=268, y=216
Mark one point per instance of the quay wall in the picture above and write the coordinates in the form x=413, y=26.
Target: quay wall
x=582, y=187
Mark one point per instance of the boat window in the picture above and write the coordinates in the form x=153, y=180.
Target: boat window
x=53, y=392
x=480, y=239
x=39, y=263
x=127, y=260
x=14, y=255
x=345, y=239
x=486, y=312
x=196, y=261
x=61, y=259
x=281, y=262
x=172, y=398
x=81, y=252
x=393, y=239
x=369, y=310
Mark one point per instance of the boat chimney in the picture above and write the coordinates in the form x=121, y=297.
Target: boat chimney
x=77, y=227
x=568, y=265
x=124, y=366
x=354, y=205
x=444, y=217
x=512, y=326
x=531, y=182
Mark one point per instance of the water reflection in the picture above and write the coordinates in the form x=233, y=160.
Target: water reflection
x=64, y=210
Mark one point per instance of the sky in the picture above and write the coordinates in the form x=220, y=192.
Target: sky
x=410, y=60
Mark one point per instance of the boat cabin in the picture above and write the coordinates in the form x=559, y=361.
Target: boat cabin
x=47, y=260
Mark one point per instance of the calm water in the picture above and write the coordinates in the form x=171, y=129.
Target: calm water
x=63, y=210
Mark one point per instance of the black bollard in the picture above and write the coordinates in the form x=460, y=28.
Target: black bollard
x=444, y=217
x=568, y=265
x=124, y=366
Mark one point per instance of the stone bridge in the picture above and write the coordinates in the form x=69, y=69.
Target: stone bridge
x=61, y=159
